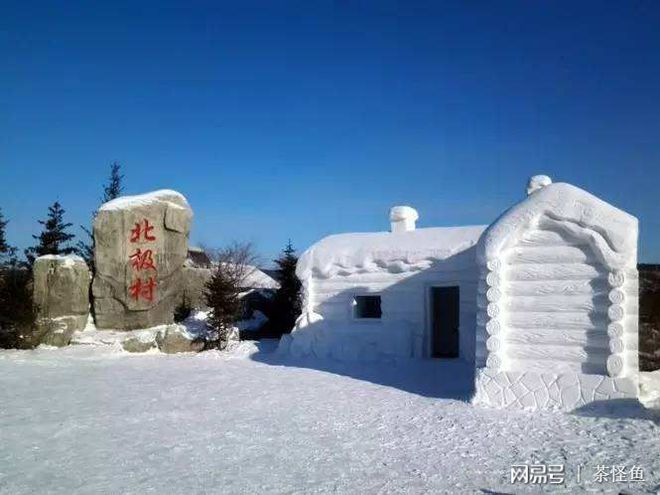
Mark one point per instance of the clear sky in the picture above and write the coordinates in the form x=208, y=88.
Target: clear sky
x=295, y=120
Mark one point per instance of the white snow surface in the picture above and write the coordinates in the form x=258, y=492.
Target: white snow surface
x=347, y=254
x=88, y=419
x=166, y=195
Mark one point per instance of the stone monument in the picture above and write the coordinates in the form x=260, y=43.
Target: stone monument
x=141, y=244
x=61, y=295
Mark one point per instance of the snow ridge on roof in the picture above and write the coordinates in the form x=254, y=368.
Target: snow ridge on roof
x=348, y=254
x=611, y=232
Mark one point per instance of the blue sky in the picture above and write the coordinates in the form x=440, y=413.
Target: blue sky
x=295, y=120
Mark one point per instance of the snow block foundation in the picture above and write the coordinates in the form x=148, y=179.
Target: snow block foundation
x=565, y=392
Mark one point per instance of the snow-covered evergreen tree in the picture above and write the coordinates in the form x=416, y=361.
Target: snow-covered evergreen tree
x=54, y=238
x=111, y=190
x=287, y=300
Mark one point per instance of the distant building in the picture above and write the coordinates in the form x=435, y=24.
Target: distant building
x=198, y=258
x=257, y=291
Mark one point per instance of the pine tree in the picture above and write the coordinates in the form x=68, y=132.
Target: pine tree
x=8, y=253
x=114, y=187
x=287, y=301
x=222, y=297
x=224, y=289
x=54, y=237
x=111, y=190
x=4, y=247
x=17, y=312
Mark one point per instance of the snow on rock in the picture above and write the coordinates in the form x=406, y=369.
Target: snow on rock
x=175, y=338
x=141, y=340
x=85, y=419
x=67, y=260
x=167, y=195
x=188, y=336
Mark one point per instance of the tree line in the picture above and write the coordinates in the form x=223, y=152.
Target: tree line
x=223, y=293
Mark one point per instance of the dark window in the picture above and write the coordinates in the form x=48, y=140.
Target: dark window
x=367, y=307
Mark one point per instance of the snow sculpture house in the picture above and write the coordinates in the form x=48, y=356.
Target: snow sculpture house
x=371, y=296
x=543, y=302
x=558, y=302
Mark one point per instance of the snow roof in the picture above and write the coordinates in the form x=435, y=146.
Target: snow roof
x=167, y=195
x=611, y=232
x=197, y=257
x=347, y=254
x=256, y=279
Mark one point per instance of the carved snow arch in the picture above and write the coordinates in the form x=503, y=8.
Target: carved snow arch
x=558, y=287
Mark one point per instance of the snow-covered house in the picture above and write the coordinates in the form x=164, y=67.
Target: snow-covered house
x=198, y=269
x=543, y=301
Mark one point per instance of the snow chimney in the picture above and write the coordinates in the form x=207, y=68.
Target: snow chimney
x=537, y=182
x=403, y=218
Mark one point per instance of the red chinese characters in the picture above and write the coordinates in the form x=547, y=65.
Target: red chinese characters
x=143, y=289
x=142, y=229
x=142, y=259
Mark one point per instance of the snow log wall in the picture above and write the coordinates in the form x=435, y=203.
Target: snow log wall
x=329, y=328
x=557, y=303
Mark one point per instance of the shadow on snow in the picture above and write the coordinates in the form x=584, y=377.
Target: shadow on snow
x=448, y=379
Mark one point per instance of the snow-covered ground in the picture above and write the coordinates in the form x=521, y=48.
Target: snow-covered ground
x=88, y=419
